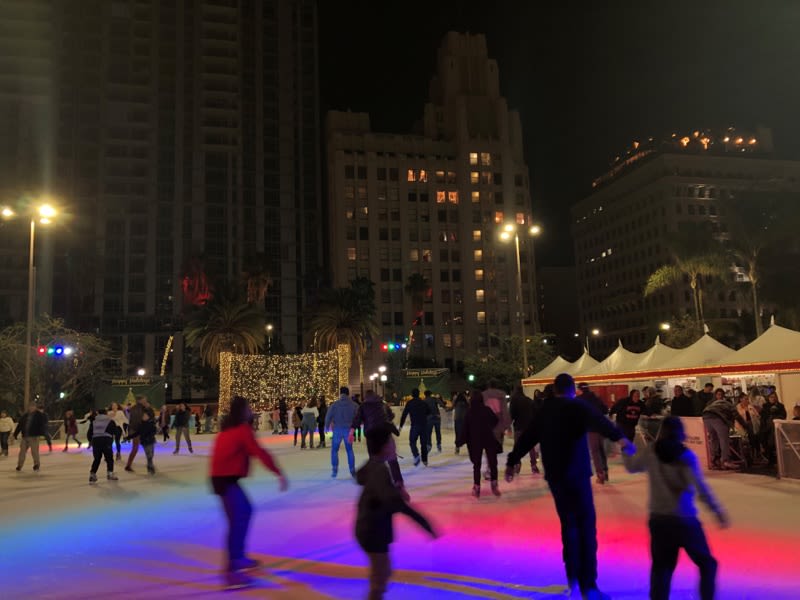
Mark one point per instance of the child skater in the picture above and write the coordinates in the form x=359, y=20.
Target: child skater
x=230, y=461
x=379, y=500
x=103, y=428
x=674, y=477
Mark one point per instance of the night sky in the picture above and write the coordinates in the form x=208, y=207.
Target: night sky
x=586, y=81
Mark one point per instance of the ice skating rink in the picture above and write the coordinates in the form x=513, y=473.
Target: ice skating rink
x=161, y=537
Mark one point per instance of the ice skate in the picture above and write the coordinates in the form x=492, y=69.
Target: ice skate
x=112, y=476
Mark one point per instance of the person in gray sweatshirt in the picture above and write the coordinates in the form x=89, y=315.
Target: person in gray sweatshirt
x=103, y=429
x=674, y=479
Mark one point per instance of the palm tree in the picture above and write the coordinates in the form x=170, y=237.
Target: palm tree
x=417, y=288
x=257, y=278
x=225, y=326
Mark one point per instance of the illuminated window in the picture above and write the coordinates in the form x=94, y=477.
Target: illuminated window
x=477, y=255
x=478, y=274
x=476, y=235
x=411, y=175
x=452, y=197
x=476, y=196
x=413, y=255
x=498, y=216
x=458, y=340
x=447, y=340
x=441, y=197
x=520, y=218
x=486, y=177
x=365, y=210
x=473, y=158
x=423, y=176
x=474, y=177
x=486, y=159
x=439, y=176
x=480, y=316
x=426, y=255
x=351, y=254
x=350, y=214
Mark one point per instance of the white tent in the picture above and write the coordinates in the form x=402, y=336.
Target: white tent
x=704, y=352
x=559, y=365
x=655, y=357
x=776, y=344
x=619, y=361
x=583, y=364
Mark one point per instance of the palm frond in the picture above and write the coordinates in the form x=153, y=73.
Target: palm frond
x=662, y=277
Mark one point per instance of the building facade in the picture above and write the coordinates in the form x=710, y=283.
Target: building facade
x=181, y=139
x=622, y=229
x=433, y=203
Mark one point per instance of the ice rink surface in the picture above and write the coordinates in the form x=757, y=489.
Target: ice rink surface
x=161, y=537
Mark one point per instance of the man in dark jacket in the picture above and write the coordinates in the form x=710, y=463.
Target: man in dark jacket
x=283, y=410
x=703, y=399
x=141, y=407
x=681, y=404
x=560, y=428
x=460, y=406
x=181, y=425
x=597, y=444
x=521, y=411
x=418, y=411
x=32, y=425
x=434, y=420
x=374, y=413
x=718, y=418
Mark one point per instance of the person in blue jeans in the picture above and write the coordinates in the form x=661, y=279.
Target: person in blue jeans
x=338, y=418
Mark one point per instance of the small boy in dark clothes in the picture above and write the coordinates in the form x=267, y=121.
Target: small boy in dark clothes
x=147, y=438
x=379, y=500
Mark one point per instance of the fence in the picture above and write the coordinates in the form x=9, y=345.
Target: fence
x=787, y=444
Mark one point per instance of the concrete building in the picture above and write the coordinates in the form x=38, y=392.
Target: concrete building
x=433, y=202
x=622, y=228
x=183, y=140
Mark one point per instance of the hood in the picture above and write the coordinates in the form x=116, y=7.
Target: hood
x=669, y=451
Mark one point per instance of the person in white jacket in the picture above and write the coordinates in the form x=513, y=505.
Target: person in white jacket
x=674, y=479
x=6, y=427
x=121, y=421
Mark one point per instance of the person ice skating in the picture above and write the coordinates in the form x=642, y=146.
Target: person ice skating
x=297, y=421
x=141, y=407
x=379, y=501
x=560, y=429
x=434, y=421
x=627, y=412
x=146, y=435
x=6, y=427
x=283, y=409
x=70, y=430
x=323, y=411
x=773, y=409
x=164, y=422
x=181, y=425
x=32, y=425
x=674, y=478
x=208, y=417
x=374, y=412
x=89, y=418
x=521, y=410
x=309, y=423
x=103, y=429
x=338, y=418
x=230, y=462
x=597, y=444
x=478, y=434
x=121, y=420
x=460, y=406
x=418, y=411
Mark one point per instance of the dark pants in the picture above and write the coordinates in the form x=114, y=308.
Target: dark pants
x=575, y=507
x=668, y=534
x=117, y=437
x=4, y=441
x=597, y=448
x=532, y=454
x=437, y=427
x=475, y=455
x=458, y=425
x=418, y=433
x=296, y=431
x=102, y=448
x=284, y=422
x=238, y=511
x=321, y=429
x=134, y=451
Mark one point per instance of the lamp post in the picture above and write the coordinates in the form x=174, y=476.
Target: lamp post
x=510, y=230
x=595, y=332
x=383, y=378
x=45, y=214
x=269, y=338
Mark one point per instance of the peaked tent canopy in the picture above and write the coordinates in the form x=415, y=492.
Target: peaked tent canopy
x=776, y=344
x=655, y=357
x=559, y=365
x=619, y=361
x=583, y=364
x=704, y=352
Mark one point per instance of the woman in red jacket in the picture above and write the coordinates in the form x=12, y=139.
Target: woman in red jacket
x=230, y=461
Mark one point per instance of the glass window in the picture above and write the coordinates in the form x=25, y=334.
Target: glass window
x=452, y=197
x=476, y=235
x=447, y=341
x=473, y=158
x=486, y=177
x=441, y=197
x=349, y=171
x=451, y=177
x=394, y=174
x=413, y=255
x=411, y=176
x=458, y=340
x=476, y=196
x=480, y=316
x=445, y=298
x=349, y=192
x=479, y=295
x=456, y=275
x=444, y=255
x=486, y=159
x=350, y=214
x=498, y=217
x=423, y=176
x=351, y=253
x=439, y=176
x=477, y=255
x=444, y=275
x=478, y=274
x=520, y=219
x=474, y=177
x=423, y=197
x=381, y=173
x=412, y=196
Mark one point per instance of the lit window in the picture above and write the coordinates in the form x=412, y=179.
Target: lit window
x=477, y=255
x=479, y=295
x=365, y=210
x=441, y=197
x=426, y=255
x=474, y=177
x=476, y=196
x=476, y=235
x=520, y=218
x=473, y=158
x=423, y=176
x=452, y=197
x=350, y=214
x=411, y=175
x=478, y=274
x=480, y=316
x=498, y=216
x=486, y=159
x=413, y=255
x=451, y=177
x=351, y=254
x=447, y=340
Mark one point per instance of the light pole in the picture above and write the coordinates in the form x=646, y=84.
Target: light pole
x=269, y=338
x=510, y=230
x=383, y=378
x=595, y=333
x=45, y=214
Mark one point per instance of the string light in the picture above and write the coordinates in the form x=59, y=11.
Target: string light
x=263, y=379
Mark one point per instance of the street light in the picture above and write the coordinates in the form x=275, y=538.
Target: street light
x=45, y=213
x=664, y=326
x=383, y=378
x=595, y=332
x=141, y=372
x=269, y=338
x=509, y=231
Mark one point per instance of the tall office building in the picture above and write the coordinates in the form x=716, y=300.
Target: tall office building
x=621, y=230
x=433, y=202
x=182, y=137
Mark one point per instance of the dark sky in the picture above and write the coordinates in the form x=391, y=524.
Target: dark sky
x=586, y=81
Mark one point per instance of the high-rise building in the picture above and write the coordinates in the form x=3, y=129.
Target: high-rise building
x=433, y=202
x=622, y=229
x=183, y=139
x=557, y=296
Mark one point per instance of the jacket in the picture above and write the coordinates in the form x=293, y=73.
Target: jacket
x=32, y=424
x=232, y=450
x=310, y=415
x=496, y=400
x=770, y=412
x=682, y=406
x=373, y=412
x=103, y=426
x=341, y=413
x=560, y=428
x=147, y=433
x=478, y=430
x=520, y=409
x=135, y=416
x=6, y=425
x=323, y=412
x=70, y=426
x=380, y=500
x=722, y=409
x=433, y=405
x=417, y=410
x=460, y=406
x=181, y=419
x=754, y=418
x=297, y=418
